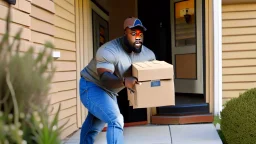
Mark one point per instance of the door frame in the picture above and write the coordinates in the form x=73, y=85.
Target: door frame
x=210, y=59
x=217, y=19
x=84, y=44
x=83, y=54
x=197, y=49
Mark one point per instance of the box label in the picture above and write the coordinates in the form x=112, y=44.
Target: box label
x=155, y=83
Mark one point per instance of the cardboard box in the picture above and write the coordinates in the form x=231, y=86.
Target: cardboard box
x=156, y=86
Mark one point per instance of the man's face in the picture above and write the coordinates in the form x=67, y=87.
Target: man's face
x=135, y=37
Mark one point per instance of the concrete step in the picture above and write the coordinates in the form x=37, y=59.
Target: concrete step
x=184, y=119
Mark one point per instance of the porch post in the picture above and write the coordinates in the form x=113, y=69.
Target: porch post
x=217, y=26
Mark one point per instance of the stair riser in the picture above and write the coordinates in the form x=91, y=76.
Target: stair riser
x=182, y=119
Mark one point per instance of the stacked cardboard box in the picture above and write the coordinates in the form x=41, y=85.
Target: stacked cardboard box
x=156, y=85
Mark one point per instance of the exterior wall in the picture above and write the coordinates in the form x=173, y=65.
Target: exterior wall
x=239, y=49
x=43, y=20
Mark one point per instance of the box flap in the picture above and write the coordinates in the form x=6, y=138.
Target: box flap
x=152, y=70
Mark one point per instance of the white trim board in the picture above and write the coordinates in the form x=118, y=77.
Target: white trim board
x=99, y=11
x=217, y=26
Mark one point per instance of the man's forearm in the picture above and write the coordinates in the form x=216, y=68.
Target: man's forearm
x=111, y=81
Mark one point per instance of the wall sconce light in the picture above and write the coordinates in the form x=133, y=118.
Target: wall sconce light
x=13, y=2
x=187, y=17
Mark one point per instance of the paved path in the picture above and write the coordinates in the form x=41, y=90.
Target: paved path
x=163, y=134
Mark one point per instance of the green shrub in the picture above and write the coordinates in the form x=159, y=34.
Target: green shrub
x=238, y=119
x=24, y=84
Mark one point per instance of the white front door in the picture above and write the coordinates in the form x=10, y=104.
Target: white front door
x=187, y=51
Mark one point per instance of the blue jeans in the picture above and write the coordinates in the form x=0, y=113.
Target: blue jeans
x=102, y=109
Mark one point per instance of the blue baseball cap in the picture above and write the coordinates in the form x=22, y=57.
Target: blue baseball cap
x=132, y=22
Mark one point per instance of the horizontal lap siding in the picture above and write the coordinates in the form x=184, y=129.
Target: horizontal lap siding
x=239, y=49
x=54, y=21
x=64, y=82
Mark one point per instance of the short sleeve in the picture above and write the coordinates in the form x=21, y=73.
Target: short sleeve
x=149, y=54
x=153, y=57
x=105, y=59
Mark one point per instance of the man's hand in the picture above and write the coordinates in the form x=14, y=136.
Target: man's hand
x=129, y=82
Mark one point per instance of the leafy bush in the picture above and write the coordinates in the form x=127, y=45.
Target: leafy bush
x=238, y=119
x=24, y=84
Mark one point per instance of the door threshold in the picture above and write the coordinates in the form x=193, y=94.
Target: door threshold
x=130, y=124
x=186, y=109
x=184, y=119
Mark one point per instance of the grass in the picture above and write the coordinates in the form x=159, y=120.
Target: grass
x=222, y=137
x=217, y=120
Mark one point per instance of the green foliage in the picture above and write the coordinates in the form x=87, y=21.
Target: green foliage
x=217, y=120
x=238, y=119
x=24, y=85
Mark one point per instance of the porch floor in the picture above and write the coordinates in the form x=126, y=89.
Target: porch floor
x=162, y=134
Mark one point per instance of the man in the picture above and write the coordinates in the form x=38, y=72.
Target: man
x=105, y=76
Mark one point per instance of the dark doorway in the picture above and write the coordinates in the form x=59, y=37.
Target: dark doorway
x=130, y=115
x=156, y=18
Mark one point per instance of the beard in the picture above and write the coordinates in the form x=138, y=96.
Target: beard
x=133, y=47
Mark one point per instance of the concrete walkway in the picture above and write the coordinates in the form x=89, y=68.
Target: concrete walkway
x=162, y=134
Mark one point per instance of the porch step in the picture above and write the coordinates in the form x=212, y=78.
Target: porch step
x=185, y=119
x=186, y=109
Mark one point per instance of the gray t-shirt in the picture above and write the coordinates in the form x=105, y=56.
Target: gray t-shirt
x=112, y=56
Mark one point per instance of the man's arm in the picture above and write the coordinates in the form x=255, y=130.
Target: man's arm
x=106, y=61
x=108, y=79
